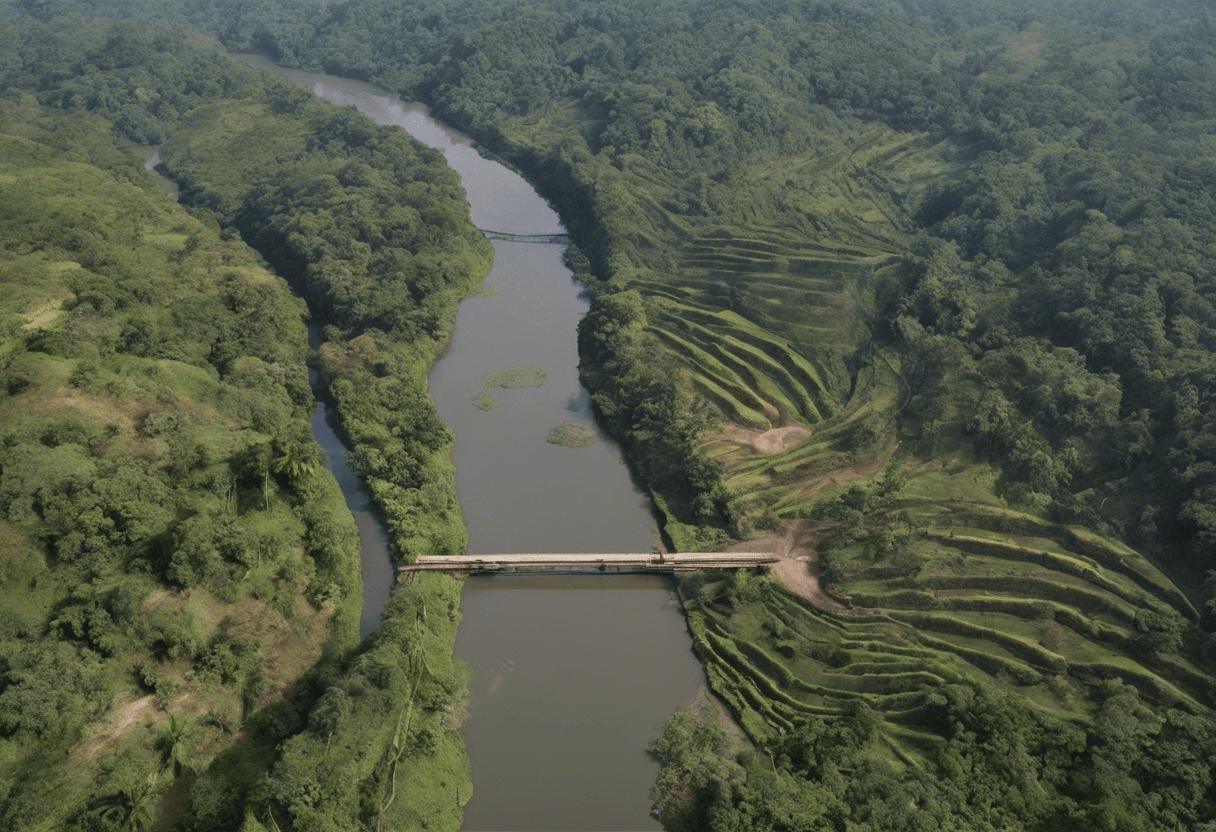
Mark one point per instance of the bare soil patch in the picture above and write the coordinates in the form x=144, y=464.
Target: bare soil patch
x=764, y=442
x=776, y=440
x=794, y=544
x=841, y=476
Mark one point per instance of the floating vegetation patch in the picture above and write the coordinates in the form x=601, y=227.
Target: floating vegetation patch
x=486, y=402
x=485, y=291
x=521, y=375
x=571, y=435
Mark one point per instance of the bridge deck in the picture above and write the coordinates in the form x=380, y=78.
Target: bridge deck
x=590, y=563
x=552, y=239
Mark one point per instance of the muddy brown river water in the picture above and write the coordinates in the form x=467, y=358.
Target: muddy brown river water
x=572, y=677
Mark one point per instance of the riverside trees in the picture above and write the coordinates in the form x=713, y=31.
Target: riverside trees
x=1025, y=191
x=170, y=536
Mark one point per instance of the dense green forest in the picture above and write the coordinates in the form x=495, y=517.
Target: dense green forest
x=957, y=256
x=175, y=560
x=182, y=585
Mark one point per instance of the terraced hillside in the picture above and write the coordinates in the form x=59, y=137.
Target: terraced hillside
x=762, y=306
x=760, y=298
x=933, y=579
x=939, y=585
x=758, y=303
x=736, y=313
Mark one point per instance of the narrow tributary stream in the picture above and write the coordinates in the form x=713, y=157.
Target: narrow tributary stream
x=572, y=677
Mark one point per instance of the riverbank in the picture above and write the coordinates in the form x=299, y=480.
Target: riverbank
x=168, y=593
x=520, y=492
x=392, y=716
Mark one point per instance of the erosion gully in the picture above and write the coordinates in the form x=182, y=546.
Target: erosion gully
x=571, y=676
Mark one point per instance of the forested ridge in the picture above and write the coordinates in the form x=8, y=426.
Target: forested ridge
x=182, y=582
x=175, y=561
x=964, y=250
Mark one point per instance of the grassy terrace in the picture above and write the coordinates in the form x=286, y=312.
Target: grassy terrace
x=761, y=306
x=938, y=589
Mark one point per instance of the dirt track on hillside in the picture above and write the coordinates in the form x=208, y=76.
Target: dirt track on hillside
x=794, y=544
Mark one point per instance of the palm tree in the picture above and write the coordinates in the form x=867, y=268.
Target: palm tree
x=173, y=745
x=129, y=810
x=297, y=461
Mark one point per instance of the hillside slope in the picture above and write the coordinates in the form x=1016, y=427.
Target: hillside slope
x=165, y=580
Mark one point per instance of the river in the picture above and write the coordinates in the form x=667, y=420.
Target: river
x=572, y=677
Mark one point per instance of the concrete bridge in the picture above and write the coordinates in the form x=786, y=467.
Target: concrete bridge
x=549, y=239
x=568, y=564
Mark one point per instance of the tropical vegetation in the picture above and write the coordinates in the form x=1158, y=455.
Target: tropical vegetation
x=960, y=253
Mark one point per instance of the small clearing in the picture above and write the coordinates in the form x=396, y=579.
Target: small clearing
x=842, y=476
x=108, y=739
x=765, y=442
x=43, y=315
x=794, y=543
x=776, y=440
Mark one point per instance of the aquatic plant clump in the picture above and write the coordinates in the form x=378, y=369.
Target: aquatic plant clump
x=521, y=375
x=486, y=402
x=571, y=435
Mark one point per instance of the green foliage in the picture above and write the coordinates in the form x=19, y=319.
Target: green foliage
x=129, y=810
x=697, y=758
x=374, y=230
x=144, y=355
x=381, y=745
x=1024, y=191
x=485, y=402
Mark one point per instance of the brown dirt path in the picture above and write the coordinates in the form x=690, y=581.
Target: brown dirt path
x=126, y=712
x=794, y=544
